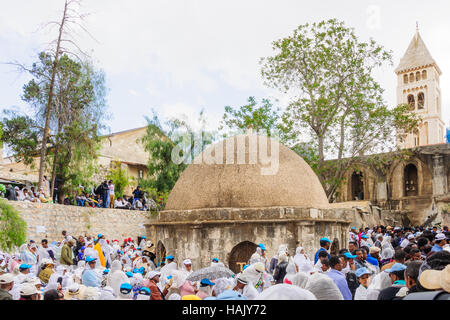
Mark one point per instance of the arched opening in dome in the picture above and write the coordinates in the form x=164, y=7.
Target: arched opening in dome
x=411, y=186
x=160, y=251
x=240, y=255
x=357, y=186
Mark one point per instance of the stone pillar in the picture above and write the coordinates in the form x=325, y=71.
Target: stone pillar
x=306, y=237
x=381, y=191
x=439, y=176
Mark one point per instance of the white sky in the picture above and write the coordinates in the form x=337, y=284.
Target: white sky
x=181, y=56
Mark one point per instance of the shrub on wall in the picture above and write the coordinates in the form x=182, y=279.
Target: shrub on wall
x=12, y=227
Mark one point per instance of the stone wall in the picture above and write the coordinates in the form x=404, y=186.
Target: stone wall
x=113, y=223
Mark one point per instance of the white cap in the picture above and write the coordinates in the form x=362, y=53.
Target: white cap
x=6, y=278
x=411, y=236
x=440, y=236
x=28, y=289
x=152, y=274
x=187, y=261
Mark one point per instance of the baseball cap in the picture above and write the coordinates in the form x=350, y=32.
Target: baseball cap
x=129, y=274
x=89, y=259
x=348, y=255
x=24, y=266
x=6, y=278
x=262, y=246
x=215, y=260
x=242, y=279
x=152, y=274
x=99, y=235
x=325, y=239
x=440, y=236
x=364, y=236
x=362, y=271
x=105, y=271
x=170, y=257
x=144, y=237
x=411, y=236
x=396, y=267
x=125, y=288
x=187, y=261
x=144, y=290
x=28, y=289
x=207, y=281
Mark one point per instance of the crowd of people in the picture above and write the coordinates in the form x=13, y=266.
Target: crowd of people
x=101, y=197
x=381, y=263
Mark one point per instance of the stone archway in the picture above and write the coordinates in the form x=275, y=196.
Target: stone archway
x=160, y=251
x=240, y=255
x=357, y=186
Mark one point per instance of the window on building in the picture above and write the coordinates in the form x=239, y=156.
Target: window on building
x=411, y=77
x=424, y=74
x=357, y=186
x=410, y=177
x=411, y=102
x=405, y=79
x=420, y=100
x=417, y=76
x=141, y=174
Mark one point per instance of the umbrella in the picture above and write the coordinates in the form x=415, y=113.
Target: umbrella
x=214, y=272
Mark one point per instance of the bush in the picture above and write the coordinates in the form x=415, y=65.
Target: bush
x=13, y=228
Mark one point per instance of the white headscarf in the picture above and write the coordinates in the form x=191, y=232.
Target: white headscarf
x=300, y=279
x=286, y=292
x=323, y=287
x=302, y=261
x=116, y=277
x=107, y=293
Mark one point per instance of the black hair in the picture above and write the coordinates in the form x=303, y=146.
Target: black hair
x=44, y=240
x=323, y=254
x=439, y=260
x=407, y=249
x=399, y=255
x=326, y=262
x=26, y=297
x=413, y=269
x=354, y=243
x=422, y=241
x=51, y=295
x=343, y=251
x=323, y=243
x=365, y=248
x=413, y=251
x=399, y=274
x=334, y=260
x=355, y=251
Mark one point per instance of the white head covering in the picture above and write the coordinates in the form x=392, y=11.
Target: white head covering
x=116, y=277
x=107, y=293
x=285, y=292
x=300, y=279
x=174, y=296
x=302, y=261
x=323, y=287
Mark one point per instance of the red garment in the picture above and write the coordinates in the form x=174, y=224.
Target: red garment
x=287, y=281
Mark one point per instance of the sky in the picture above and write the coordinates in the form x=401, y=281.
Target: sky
x=181, y=56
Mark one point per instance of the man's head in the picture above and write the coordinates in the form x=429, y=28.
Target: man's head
x=323, y=255
x=415, y=255
x=362, y=274
x=440, y=239
x=375, y=252
x=28, y=291
x=325, y=243
x=64, y=233
x=325, y=265
x=110, y=181
x=44, y=243
x=335, y=263
x=71, y=243
x=24, y=268
x=7, y=281
x=399, y=256
x=359, y=254
x=352, y=246
x=412, y=273
x=397, y=272
x=365, y=251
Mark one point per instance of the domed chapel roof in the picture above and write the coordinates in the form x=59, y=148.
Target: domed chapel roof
x=236, y=180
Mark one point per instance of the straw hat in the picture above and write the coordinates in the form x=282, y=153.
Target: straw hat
x=436, y=279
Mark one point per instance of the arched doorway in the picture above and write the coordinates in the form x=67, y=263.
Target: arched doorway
x=160, y=251
x=240, y=255
x=410, y=177
x=357, y=186
x=334, y=249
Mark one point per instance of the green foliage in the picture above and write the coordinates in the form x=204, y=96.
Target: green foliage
x=120, y=179
x=262, y=119
x=335, y=104
x=12, y=227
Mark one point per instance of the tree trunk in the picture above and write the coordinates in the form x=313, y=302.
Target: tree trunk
x=52, y=188
x=50, y=101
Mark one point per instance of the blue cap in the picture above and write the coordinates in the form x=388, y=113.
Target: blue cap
x=245, y=267
x=106, y=271
x=129, y=274
x=215, y=260
x=170, y=257
x=141, y=270
x=364, y=236
x=325, y=239
x=362, y=271
x=99, y=235
x=144, y=237
x=135, y=270
x=262, y=246
x=25, y=266
x=396, y=267
x=138, y=248
x=82, y=248
x=89, y=259
x=353, y=228
x=145, y=290
x=169, y=277
x=207, y=281
x=349, y=255
x=126, y=286
x=230, y=295
x=158, y=264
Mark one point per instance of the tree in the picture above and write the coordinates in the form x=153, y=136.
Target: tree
x=335, y=104
x=261, y=119
x=12, y=227
x=120, y=179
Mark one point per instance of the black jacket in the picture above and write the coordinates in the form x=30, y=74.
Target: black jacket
x=280, y=272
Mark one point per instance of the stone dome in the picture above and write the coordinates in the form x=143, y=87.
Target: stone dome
x=230, y=182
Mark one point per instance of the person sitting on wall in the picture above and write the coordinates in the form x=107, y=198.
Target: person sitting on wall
x=120, y=203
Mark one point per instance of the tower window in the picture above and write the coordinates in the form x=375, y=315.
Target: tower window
x=411, y=102
x=420, y=100
x=424, y=74
x=405, y=79
x=411, y=77
x=417, y=76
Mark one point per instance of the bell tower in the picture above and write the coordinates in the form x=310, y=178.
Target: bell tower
x=418, y=85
